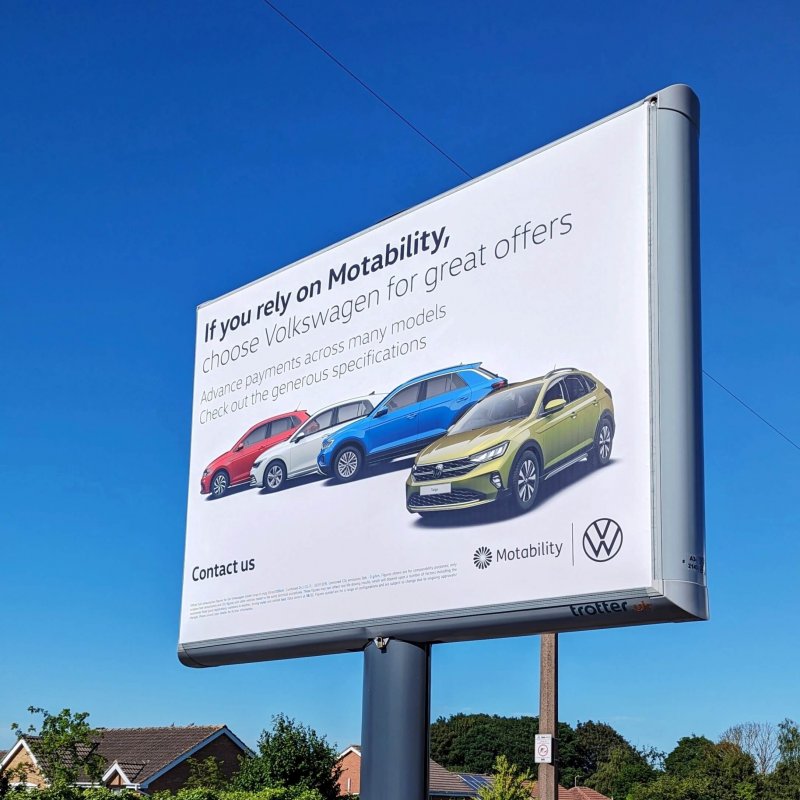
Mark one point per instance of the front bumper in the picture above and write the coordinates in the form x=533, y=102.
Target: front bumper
x=324, y=462
x=469, y=491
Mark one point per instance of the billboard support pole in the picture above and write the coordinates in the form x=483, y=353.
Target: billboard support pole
x=395, y=720
x=548, y=713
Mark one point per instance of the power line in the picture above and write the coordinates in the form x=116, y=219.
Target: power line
x=365, y=86
x=751, y=410
x=456, y=164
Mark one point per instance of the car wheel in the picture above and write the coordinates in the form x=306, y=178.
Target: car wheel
x=524, y=480
x=348, y=463
x=603, y=441
x=220, y=483
x=274, y=476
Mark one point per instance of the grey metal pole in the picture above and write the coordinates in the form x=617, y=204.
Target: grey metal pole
x=395, y=721
x=548, y=713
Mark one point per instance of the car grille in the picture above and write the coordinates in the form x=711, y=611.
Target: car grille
x=450, y=469
x=449, y=499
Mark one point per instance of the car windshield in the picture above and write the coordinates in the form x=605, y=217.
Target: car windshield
x=515, y=403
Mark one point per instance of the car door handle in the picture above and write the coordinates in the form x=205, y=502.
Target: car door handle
x=573, y=415
x=412, y=415
x=465, y=397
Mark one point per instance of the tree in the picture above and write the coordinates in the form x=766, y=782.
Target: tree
x=472, y=742
x=698, y=769
x=509, y=783
x=594, y=743
x=66, y=747
x=290, y=756
x=759, y=740
x=784, y=782
x=624, y=768
x=205, y=774
x=688, y=756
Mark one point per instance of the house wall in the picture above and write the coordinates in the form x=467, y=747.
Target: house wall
x=22, y=759
x=350, y=779
x=222, y=748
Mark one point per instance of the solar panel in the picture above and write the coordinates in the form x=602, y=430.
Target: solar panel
x=475, y=781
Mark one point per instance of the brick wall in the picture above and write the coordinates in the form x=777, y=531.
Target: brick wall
x=22, y=759
x=350, y=779
x=222, y=748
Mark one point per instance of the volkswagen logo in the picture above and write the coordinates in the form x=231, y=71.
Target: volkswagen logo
x=438, y=470
x=482, y=557
x=602, y=540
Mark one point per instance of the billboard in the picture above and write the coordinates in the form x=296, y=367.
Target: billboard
x=478, y=418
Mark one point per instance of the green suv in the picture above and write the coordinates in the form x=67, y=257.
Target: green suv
x=506, y=445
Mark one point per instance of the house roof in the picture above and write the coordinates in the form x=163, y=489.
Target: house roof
x=144, y=753
x=443, y=783
x=580, y=793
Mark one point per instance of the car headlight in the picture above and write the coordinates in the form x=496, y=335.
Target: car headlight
x=205, y=473
x=490, y=454
x=327, y=442
x=257, y=463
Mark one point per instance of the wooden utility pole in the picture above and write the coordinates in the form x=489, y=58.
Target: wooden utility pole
x=548, y=713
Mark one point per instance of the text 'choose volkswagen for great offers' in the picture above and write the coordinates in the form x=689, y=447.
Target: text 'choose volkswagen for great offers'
x=233, y=467
x=510, y=442
x=414, y=414
x=297, y=456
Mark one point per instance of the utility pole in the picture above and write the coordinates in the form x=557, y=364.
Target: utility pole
x=548, y=713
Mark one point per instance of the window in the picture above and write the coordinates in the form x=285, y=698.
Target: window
x=575, y=386
x=281, y=426
x=555, y=392
x=319, y=422
x=257, y=435
x=405, y=397
x=442, y=384
x=589, y=383
x=354, y=410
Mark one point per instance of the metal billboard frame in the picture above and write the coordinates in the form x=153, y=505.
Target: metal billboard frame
x=679, y=591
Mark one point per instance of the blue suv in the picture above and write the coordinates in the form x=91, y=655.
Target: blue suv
x=409, y=418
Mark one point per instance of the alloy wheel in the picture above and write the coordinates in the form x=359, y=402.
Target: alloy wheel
x=347, y=464
x=219, y=485
x=274, y=476
x=527, y=479
x=604, y=442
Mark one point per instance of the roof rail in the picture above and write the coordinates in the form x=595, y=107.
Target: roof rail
x=561, y=369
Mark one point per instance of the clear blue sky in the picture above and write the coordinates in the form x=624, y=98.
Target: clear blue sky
x=154, y=155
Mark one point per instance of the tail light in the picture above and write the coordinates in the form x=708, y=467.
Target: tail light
x=503, y=382
x=608, y=392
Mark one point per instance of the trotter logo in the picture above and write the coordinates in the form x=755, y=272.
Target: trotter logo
x=482, y=557
x=602, y=540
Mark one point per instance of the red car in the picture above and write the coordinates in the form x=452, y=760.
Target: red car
x=233, y=467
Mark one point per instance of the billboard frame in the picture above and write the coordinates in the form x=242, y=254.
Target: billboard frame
x=679, y=591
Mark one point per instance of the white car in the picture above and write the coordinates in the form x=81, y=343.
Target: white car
x=297, y=456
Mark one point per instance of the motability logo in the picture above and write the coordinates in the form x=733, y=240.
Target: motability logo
x=602, y=540
x=482, y=557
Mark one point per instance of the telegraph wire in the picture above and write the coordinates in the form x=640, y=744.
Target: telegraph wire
x=752, y=410
x=365, y=86
x=458, y=166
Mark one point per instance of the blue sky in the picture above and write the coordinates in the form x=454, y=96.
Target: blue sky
x=156, y=155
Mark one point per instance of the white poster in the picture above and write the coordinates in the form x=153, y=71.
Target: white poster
x=449, y=411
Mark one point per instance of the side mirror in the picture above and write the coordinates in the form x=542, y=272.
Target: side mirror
x=381, y=412
x=240, y=446
x=554, y=405
x=299, y=436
